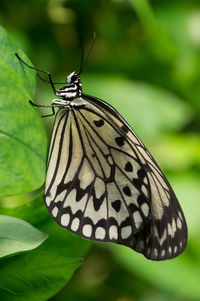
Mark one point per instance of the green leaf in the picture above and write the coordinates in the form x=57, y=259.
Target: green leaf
x=35, y=276
x=17, y=235
x=23, y=140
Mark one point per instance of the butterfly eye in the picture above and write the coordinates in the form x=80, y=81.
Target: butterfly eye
x=72, y=78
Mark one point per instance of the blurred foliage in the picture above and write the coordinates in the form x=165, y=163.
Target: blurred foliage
x=146, y=63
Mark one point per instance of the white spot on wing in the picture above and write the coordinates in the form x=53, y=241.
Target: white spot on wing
x=155, y=252
x=163, y=253
x=75, y=224
x=113, y=232
x=144, y=190
x=173, y=226
x=169, y=228
x=100, y=233
x=180, y=215
x=145, y=209
x=48, y=200
x=65, y=218
x=87, y=230
x=148, y=251
x=126, y=232
x=55, y=211
x=163, y=238
x=179, y=223
x=137, y=219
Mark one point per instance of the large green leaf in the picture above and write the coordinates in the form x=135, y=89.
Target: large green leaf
x=35, y=276
x=16, y=236
x=23, y=142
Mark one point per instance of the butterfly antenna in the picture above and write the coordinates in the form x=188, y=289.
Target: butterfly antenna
x=82, y=56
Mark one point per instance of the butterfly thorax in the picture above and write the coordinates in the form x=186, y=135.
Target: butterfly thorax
x=73, y=89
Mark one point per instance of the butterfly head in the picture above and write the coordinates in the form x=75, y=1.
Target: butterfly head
x=73, y=88
x=73, y=78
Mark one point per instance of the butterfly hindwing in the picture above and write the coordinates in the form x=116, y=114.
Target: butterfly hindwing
x=104, y=185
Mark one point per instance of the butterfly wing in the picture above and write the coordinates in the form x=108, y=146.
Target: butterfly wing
x=104, y=185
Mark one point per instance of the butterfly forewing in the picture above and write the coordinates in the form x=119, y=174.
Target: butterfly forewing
x=103, y=184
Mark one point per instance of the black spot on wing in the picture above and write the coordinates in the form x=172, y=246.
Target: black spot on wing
x=125, y=129
x=128, y=167
x=99, y=122
x=116, y=205
x=127, y=191
x=119, y=140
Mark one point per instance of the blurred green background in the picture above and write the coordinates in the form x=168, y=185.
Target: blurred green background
x=146, y=63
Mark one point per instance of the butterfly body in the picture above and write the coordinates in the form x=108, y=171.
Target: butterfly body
x=103, y=184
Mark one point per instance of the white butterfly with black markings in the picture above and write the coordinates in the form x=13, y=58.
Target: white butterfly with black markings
x=103, y=184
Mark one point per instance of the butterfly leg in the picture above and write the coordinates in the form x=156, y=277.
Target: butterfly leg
x=36, y=69
x=48, y=115
x=43, y=106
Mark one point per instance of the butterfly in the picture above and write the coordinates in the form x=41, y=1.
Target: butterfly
x=102, y=183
